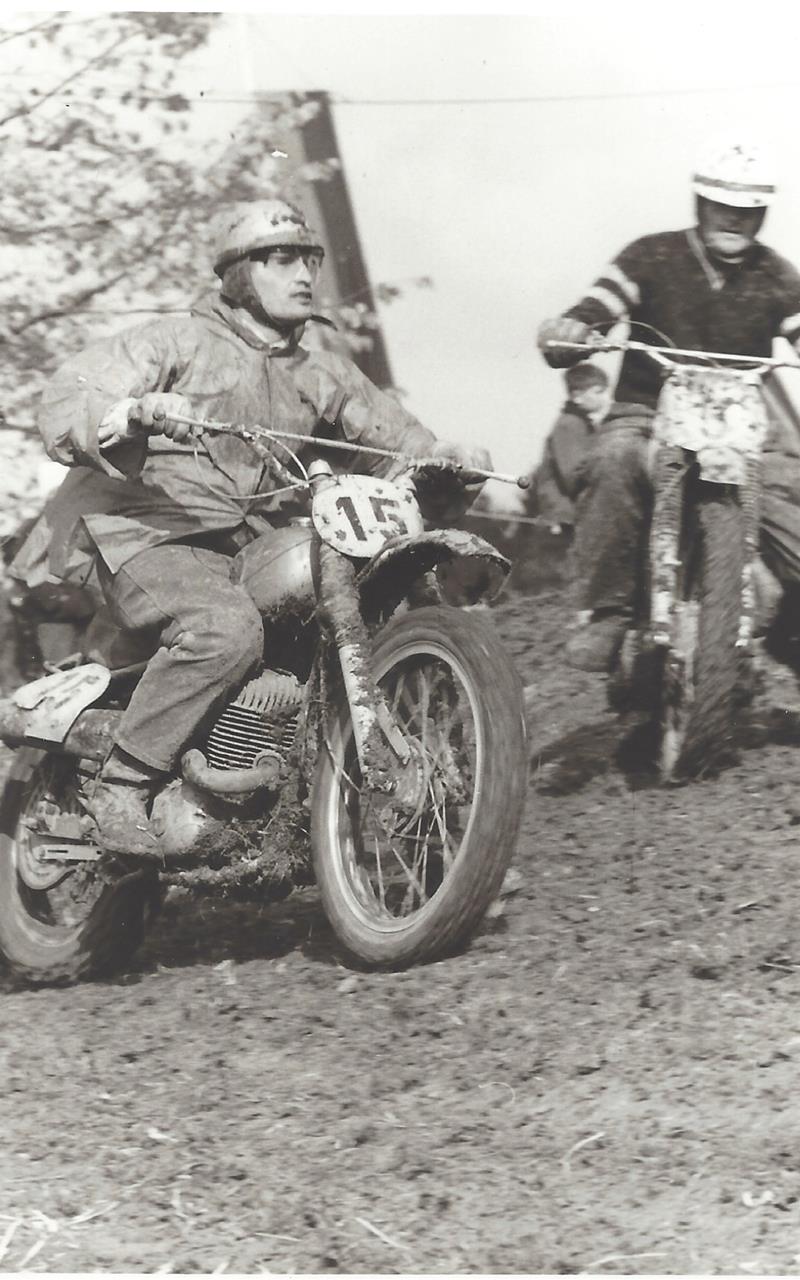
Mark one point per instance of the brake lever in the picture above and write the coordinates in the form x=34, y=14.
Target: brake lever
x=463, y=471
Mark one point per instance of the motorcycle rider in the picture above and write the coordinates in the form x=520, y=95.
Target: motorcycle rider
x=714, y=287
x=162, y=515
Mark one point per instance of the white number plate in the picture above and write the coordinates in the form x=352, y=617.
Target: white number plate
x=714, y=409
x=357, y=514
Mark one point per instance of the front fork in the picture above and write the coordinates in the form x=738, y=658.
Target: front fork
x=671, y=469
x=665, y=537
x=380, y=744
x=751, y=506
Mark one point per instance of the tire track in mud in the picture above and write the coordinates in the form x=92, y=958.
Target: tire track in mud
x=604, y=1081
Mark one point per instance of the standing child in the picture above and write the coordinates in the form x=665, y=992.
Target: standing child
x=558, y=478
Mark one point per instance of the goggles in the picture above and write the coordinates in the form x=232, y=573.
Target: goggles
x=288, y=258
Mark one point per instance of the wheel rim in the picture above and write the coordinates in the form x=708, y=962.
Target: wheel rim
x=394, y=860
x=53, y=903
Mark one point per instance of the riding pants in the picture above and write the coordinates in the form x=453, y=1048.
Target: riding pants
x=209, y=634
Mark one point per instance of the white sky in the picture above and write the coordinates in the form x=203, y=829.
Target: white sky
x=513, y=208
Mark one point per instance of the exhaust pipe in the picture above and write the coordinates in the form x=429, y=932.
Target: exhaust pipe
x=231, y=782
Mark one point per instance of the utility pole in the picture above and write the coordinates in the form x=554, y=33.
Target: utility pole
x=346, y=258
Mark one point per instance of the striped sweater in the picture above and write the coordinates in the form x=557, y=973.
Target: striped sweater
x=669, y=282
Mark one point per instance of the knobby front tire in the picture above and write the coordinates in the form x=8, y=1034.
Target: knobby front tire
x=701, y=685
x=407, y=882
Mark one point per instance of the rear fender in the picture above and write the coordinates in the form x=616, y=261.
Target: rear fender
x=469, y=569
x=46, y=709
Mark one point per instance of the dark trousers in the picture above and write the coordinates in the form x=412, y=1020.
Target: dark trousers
x=615, y=505
x=210, y=635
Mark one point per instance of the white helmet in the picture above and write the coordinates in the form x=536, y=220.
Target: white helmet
x=734, y=173
x=260, y=224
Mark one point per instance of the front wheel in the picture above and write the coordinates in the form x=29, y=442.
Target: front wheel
x=702, y=674
x=59, y=922
x=405, y=878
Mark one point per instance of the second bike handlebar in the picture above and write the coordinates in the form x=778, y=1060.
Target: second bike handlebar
x=259, y=432
x=667, y=355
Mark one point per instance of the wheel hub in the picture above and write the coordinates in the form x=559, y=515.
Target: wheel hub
x=49, y=848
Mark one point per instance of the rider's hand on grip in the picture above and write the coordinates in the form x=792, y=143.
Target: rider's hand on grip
x=152, y=412
x=446, y=494
x=465, y=459
x=563, y=329
x=115, y=425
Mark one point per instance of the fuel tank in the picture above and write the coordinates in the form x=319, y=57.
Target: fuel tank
x=280, y=570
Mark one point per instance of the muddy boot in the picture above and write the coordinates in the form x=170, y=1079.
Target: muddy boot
x=119, y=806
x=597, y=643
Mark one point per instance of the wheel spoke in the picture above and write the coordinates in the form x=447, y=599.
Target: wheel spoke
x=444, y=834
x=421, y=857
x=413, y=882
x=381, y=889
x=402, y=853
x=399, y=690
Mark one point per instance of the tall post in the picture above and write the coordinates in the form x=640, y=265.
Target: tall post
x=347, y=259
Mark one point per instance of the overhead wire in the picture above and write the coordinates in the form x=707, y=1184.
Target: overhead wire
x=261, y=98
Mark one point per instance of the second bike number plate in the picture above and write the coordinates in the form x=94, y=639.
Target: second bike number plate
x=358, y=514
x=717, y=414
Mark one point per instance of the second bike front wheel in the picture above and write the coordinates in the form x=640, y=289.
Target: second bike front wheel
x=702, y=670
x=407, y=880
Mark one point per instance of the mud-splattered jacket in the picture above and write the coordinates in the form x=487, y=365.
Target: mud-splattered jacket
x=669, y=282
x=155, y=490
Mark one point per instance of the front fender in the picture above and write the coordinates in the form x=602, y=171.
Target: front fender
x=470, y=569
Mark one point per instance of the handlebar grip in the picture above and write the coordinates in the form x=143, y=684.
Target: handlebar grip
x=584, y=346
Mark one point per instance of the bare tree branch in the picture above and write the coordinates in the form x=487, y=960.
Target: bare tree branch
x=51, y=93
x=16, y=232
x=77, y=299
x=27, y=31
x=26, y=428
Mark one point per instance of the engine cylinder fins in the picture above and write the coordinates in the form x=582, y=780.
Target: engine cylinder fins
x=240, y=737
x=260, y=724
x=271, y=693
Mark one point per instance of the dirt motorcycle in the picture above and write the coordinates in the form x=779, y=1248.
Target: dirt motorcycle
x=688, y=660
x=381, y=754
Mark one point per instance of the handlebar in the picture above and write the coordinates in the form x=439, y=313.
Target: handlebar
x=257, y=432
x=667, y=355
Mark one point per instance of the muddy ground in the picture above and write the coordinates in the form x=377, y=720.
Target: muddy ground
x=604, y=1082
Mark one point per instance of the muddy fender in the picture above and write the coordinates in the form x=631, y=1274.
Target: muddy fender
x=470, y=570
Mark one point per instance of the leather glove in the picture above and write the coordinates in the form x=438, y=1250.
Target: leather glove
x=563, y=329
x=464, y=456
x=152, y=411
x=446, y=495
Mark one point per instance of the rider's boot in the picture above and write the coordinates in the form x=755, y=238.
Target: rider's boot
x=594, y=646
x=119, y=806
